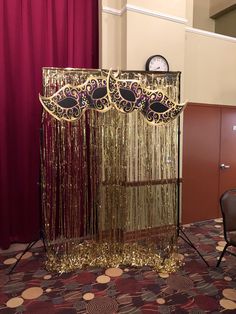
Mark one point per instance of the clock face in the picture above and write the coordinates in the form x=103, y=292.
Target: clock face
x=157, y=63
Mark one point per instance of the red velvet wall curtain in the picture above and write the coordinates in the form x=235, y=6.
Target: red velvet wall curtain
x=33, y=34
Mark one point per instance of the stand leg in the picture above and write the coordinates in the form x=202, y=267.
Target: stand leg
x=187, y=240
x=29, y=246
x=222, y=254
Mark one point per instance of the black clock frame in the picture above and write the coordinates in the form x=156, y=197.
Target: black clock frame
x=153, y=56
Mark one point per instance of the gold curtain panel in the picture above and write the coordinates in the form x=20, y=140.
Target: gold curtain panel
x=109, y=179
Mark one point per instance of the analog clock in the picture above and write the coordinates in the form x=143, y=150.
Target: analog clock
x=157, y=63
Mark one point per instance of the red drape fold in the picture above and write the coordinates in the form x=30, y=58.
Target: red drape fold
x=33, y=34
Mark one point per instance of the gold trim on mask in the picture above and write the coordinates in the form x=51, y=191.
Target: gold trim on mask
x=70, y=102
x=103, y=92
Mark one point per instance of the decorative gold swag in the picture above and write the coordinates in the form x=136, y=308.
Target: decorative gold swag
x=109, y=181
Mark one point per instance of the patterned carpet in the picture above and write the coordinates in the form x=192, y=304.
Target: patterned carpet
x=194, y=289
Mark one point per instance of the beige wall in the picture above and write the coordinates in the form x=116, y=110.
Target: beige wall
x=189, y=12
x=123, y=47
x=210, y=69
x=217, y=7
x=201, y=15
x=110, y=41
x=145, y=37
x=226, y=24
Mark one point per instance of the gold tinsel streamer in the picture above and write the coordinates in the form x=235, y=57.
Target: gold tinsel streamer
x=109, y=183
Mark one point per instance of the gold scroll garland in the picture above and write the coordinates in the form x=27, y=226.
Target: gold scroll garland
x=109, y=182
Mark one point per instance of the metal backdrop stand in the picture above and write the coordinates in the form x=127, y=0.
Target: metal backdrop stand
x=180, y=232
x=41, y=233
x=29, y=246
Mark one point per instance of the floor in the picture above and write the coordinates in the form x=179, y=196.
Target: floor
x=194, y=288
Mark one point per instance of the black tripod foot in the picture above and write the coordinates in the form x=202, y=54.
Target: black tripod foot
x=184, y=236
x=28, y=247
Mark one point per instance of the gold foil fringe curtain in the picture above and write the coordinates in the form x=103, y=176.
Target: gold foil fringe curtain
x=109, y=182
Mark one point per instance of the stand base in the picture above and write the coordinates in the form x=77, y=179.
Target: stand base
x=29, y=246
x=223, y=253
x=184, y=236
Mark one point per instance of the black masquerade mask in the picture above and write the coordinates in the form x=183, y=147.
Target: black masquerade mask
x=103, y=92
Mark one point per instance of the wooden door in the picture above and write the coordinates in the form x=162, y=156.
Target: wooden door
x=227, y=163
x=201, y=149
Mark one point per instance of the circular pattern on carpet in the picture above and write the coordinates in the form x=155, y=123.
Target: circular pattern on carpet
x=32, y=293
x=178, y=256
x=218, y=220
x=103, y=279
x=47, y=277
x=10, y=261
x=221, y=243
x=102, y=305
x=14, y=302
x=164, y=275
x=227, y=304
x=88, y=296
x=222, y=260
x=227, y=278
x=229, y=294
x=178, y=282
x=161, y=301
x=114, y=272
x=25, y=256
x=124, y=299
